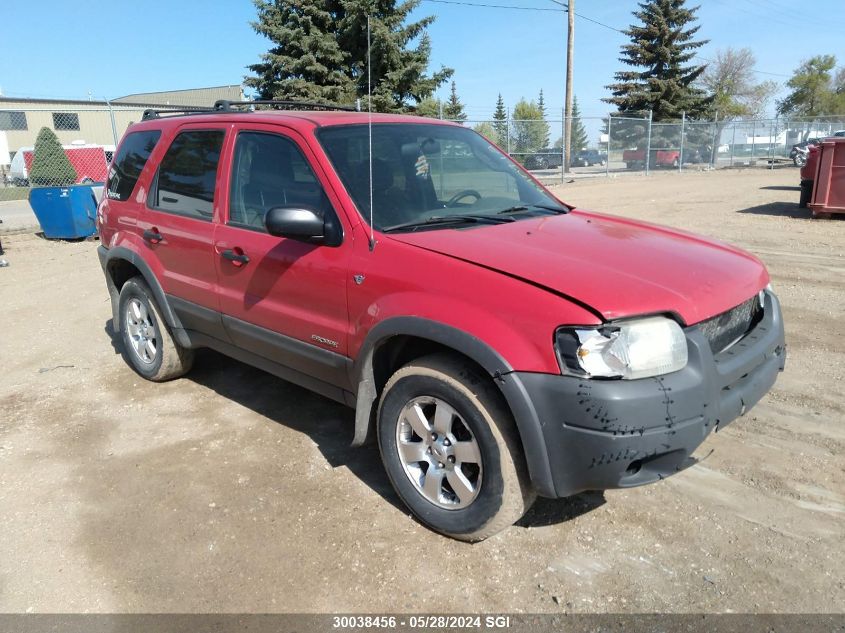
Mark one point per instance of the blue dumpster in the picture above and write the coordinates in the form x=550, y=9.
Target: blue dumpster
x=65, y=212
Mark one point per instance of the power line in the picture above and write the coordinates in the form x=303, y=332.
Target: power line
x=704, y=59
x=496, y=6
x=583, y=17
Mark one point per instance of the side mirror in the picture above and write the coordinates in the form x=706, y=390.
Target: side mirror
x=296, y=223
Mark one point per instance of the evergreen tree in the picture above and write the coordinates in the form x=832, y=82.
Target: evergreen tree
x=399, y=72
x=579, y=132
x=661, y=47
x=320, y=53
x=50, y=165
x=306, y=62
x=500, y=122
x=541, y=104
x=453, y=110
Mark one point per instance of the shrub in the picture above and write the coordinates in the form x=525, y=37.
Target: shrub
x=50, y=165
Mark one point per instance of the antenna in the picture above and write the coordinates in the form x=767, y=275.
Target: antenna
x=370, y=130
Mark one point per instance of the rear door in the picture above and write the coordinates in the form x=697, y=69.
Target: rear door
x=288, y=301
x=177, y=223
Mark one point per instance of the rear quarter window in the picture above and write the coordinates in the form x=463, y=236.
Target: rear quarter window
x=126, y=167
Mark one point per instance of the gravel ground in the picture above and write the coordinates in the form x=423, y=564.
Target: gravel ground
x=230, y=490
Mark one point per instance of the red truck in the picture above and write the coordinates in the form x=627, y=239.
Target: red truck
x=495, y=342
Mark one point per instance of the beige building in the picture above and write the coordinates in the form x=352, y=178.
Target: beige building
x=92, y=122
x=189, y=97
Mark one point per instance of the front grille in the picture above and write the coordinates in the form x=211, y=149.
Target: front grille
x=725, y=329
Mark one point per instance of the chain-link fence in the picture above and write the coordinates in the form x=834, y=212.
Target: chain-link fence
x=85, y=137
x=89, y=132
x=615, y=144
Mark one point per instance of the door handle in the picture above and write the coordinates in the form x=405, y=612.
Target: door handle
x=153, y=236
x=236, y=256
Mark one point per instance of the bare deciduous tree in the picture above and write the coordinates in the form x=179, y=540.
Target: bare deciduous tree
x=730, y=79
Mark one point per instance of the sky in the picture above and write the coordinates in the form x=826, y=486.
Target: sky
x=111, y=49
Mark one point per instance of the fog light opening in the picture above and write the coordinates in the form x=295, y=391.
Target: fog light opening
x=634, y=467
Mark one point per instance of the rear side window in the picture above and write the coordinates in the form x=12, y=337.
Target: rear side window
x=187, y=174
x=126, y=167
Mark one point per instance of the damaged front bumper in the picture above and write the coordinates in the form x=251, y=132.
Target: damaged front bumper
x=603, y=434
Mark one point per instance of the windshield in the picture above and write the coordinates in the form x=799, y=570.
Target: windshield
x=426, y=171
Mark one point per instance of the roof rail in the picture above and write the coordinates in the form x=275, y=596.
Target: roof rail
x=227, y=106
x=155, y=113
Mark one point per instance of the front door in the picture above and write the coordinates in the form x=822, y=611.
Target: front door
x=280, y=298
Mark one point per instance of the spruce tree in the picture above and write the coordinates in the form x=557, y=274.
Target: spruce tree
x=453, y=110
x=500, y=121
x=661, y=80
x=306, y=62
x=579, y=133
x=400, y=78
x=541, y=104
x=50, y=165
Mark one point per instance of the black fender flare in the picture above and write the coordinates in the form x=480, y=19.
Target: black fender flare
x=503, y=375
x=121, y=253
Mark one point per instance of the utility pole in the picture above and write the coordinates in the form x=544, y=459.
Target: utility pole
x=570, y=50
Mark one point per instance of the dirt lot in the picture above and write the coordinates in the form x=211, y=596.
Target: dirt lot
x=230, y=490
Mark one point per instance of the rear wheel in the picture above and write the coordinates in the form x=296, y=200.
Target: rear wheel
x=450, y=448
x=148, y=345
x=806, y=193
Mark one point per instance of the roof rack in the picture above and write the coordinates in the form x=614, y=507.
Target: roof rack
x=233, y=106
x=155, y=113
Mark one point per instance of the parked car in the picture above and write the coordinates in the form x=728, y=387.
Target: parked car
x=496, y=342
x=839, y=133
x=588, y=158
x=548, y=158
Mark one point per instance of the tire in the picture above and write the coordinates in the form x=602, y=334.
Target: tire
x=800, y=160
x=806, y=194
x=450, y=410
x=148, y=345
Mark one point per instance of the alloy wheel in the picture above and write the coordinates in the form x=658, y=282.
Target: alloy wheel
x=439, y=453
x=142, y=331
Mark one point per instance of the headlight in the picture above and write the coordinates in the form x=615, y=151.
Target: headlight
x=633, y=349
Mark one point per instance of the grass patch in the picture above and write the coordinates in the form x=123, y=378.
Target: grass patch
x=13, y=193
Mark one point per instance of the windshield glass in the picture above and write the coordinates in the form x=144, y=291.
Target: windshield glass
x=424, y=171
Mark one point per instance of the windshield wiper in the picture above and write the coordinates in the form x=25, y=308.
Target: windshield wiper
x=528, y=207
x=445, y=220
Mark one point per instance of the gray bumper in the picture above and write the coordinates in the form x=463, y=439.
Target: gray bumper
x=603, y=434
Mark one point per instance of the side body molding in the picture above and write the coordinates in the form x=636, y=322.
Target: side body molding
x=498, y=368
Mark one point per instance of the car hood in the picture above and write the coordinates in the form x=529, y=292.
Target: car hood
x=615, y=266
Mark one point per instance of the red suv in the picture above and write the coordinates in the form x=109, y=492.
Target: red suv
x=498, y=343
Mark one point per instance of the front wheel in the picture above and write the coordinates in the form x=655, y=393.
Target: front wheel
x=800, y=160
x=450, y=448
